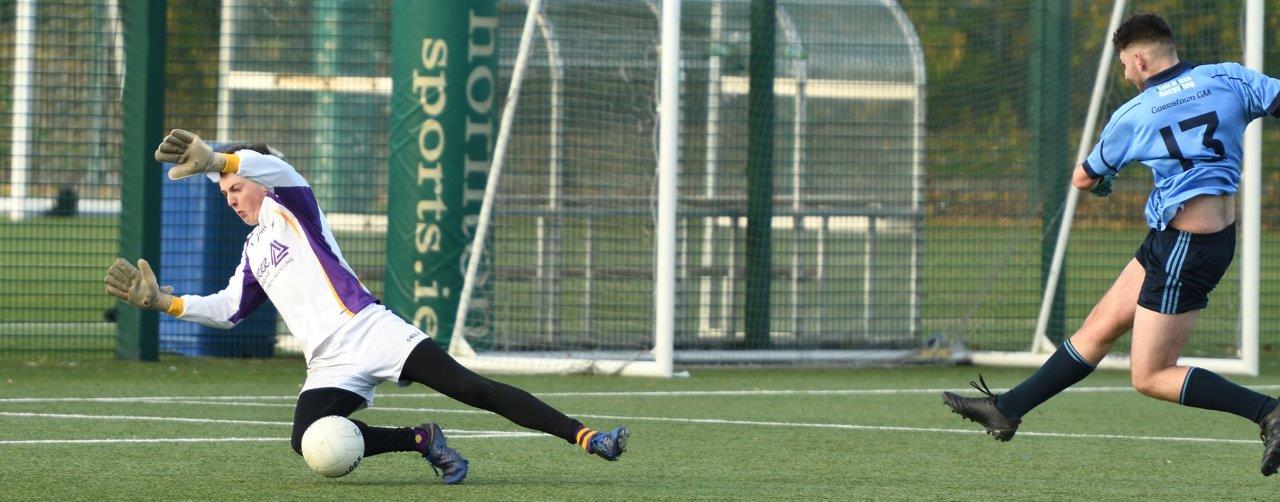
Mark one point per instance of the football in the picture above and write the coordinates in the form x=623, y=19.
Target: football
x=333, y=446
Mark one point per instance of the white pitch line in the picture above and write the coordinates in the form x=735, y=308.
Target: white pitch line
x=758, y=423
x=493, y=434
x=136, y=440
x=226, y=400
x=715, y=421
x=798, y=392
x=379, y=408
x=453, y=433
x=683, y=393
x=141, y=418
x=456, y=434
x=511, y=435
x=131, y=400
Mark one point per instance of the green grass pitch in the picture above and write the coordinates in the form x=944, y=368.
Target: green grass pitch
x=758, y=434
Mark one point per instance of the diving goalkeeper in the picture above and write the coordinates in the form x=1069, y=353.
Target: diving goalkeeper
x=350, y=341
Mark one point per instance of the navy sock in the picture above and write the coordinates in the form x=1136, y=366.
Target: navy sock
x=1206, y=389
x=1063, y=369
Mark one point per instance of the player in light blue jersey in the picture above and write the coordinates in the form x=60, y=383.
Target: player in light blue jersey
x=1187, y=124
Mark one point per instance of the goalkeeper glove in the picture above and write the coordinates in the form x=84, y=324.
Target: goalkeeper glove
x=137, y=287
x=191, y=154
x=1103, y=187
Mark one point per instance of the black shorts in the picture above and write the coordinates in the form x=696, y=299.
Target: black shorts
x=1182, y=268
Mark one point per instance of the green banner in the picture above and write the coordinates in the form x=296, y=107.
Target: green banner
x=443, y=127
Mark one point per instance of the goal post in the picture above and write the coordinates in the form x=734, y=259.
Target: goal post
x=658, y=362
x=612, y=233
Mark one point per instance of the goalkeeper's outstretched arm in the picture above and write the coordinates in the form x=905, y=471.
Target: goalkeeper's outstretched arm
x=191, y=156
x=138, y=287
x=224, y=309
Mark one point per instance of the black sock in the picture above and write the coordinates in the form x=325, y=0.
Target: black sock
x=1063, y=369
x=384, y=439
x=429, y=365
x=1208, y=390
x=525, y=410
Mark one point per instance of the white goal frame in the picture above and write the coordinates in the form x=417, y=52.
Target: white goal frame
x=665, y=229
x=659, y=361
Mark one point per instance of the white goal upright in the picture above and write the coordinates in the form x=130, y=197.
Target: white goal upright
x=612, y=235
x=549, y=222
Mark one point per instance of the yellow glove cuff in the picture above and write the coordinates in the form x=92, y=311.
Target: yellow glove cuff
x=232, y=164
x=176, y=307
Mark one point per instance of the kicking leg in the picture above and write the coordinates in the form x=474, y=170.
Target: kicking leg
x=431, y=366
x=1111, y=318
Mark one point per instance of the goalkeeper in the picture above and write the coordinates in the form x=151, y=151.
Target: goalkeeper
x=350, y=341
x=1187, y=124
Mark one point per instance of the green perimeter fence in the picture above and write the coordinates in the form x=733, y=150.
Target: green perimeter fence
x=1005, y=87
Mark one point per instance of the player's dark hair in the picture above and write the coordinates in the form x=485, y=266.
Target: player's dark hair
x=1140, y=28
x=257, y=147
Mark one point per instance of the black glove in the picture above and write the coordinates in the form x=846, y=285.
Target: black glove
x=1103, y=188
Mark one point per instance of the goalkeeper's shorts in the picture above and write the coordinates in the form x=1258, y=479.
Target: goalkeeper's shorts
x=369, y=349
x=1182, y=268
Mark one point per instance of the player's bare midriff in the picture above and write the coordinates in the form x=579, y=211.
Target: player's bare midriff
x=1206, y=214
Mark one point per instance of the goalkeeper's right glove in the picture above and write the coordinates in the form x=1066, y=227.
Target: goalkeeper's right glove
x=1103, y=187
x=191, y=154
x=137, y=287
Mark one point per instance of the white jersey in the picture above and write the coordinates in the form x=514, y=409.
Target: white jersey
x=290, y=258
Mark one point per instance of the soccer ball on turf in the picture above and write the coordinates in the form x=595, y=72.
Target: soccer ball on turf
x=333, y=446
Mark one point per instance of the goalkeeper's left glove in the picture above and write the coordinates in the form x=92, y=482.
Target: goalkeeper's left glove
x=1103, y=187
x=191, y=154
x=137, y=286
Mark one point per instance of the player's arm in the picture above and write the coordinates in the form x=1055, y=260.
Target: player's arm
x=1084, y=180
x=138, y=287
x=1259, y=93
x=228, y=307
x=1108, y=156
x=191, y=155
x=289, y=187
x=224, y=309
x=267, y=170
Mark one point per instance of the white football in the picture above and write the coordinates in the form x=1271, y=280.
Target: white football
x=333, y=446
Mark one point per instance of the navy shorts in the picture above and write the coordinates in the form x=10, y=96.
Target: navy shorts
x=1182, y=268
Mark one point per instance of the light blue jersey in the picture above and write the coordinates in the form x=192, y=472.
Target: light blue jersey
x=1187, y=125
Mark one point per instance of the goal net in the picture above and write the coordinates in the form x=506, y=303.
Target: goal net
x=569, y=273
